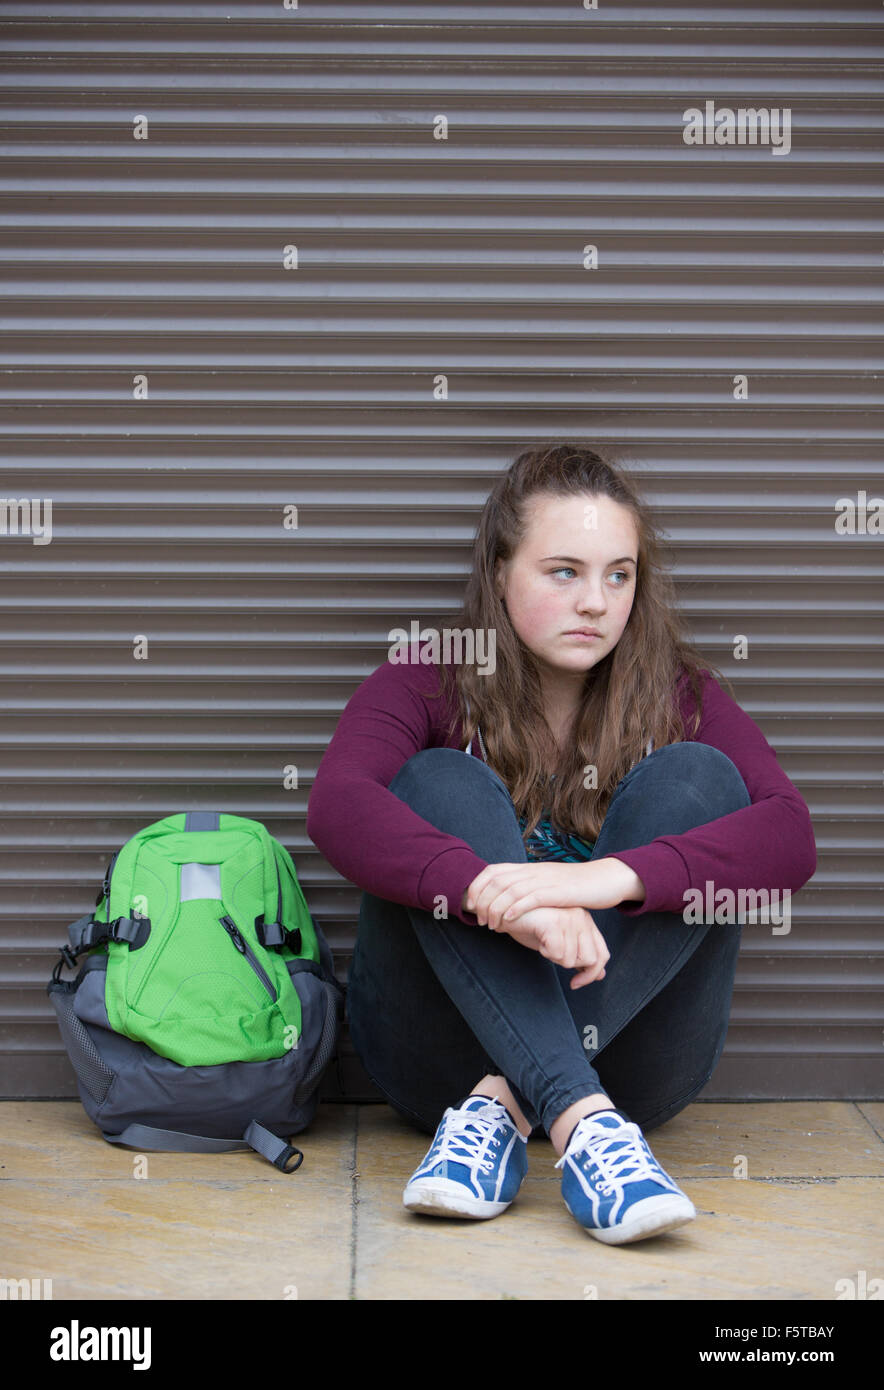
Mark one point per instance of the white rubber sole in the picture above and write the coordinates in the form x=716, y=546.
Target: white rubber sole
x=651, y=1217
x=442, y=1197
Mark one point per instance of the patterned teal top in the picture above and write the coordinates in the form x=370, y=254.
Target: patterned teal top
x=547, y=842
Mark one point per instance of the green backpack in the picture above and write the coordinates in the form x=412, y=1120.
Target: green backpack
x=207, y=999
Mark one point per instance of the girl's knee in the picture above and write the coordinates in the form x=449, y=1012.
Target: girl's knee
x=432, y=768
x=461, y=796
x=651, y=1115
x=699, y=765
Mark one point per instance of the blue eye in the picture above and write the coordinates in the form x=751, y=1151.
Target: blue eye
x=566, y=569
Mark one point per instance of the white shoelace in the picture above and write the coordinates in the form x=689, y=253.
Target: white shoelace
x=612, y=1163
x=471, y=1131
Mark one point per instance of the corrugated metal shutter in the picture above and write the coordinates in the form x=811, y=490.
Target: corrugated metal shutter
x=268, y=386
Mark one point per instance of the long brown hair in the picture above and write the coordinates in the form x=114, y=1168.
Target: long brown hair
x=628, y=696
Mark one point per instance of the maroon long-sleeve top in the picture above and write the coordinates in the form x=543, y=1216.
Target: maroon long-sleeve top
x=379, y=843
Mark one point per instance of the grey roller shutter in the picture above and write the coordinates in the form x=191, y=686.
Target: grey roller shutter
x=270, y=387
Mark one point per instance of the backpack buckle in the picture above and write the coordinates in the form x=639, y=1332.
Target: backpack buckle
x=273, y=935
x=129, y=931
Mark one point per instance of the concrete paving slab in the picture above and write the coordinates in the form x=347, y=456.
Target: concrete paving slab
x=195, y=1226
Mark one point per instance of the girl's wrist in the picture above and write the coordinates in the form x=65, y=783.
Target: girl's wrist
x=627, y=882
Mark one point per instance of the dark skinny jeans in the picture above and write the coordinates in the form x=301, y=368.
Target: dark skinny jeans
x=434, y=1005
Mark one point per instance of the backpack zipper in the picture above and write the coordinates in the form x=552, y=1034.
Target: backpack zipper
x=245, y=949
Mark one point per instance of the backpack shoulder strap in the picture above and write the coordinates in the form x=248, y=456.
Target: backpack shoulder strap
x=256, y=1137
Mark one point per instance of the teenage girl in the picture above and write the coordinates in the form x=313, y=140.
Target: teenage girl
x=527, y=954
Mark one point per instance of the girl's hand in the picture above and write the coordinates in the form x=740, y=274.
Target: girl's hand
x=503, y=893
x=567, y=936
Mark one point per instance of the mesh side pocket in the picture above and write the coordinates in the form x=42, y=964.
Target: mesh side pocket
x=92, y=1071
x=325, y=1048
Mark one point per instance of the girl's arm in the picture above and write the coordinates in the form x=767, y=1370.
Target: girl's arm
x=366, y=832
x=767, y=845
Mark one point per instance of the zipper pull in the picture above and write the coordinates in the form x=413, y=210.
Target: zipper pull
x=234, y=933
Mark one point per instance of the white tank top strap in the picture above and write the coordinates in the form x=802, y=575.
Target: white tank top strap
x=469, y=747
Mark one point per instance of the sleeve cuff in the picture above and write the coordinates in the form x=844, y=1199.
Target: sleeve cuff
x=448, y=876
x=664, y=874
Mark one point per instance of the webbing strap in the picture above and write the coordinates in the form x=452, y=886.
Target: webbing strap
x=130, y=929
x=274, y=934
x=82, y=933
x=277, y=1151
x=202, y=820
x=86, y=932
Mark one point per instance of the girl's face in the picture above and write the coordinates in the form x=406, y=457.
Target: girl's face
x=576, y=568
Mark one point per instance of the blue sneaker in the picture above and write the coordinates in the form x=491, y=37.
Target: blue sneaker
x=613, y=1185
x=474, y=1166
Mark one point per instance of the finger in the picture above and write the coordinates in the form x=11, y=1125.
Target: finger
x=587, y=977
x=480, y=903
x=519, y=905
x=589, y=951
x=573, y=949
x=566, y=956
x=532, y=893
x=551, y=943
x=497, y=907
x=473, y=892
x=493, y=901
x=497, y=877
x=482, y=879
x=580, y=958
x=519, y=895
x=482, y=894
x=484, y=901
x=492, y=873
x=592, y=969
x=601, y=943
